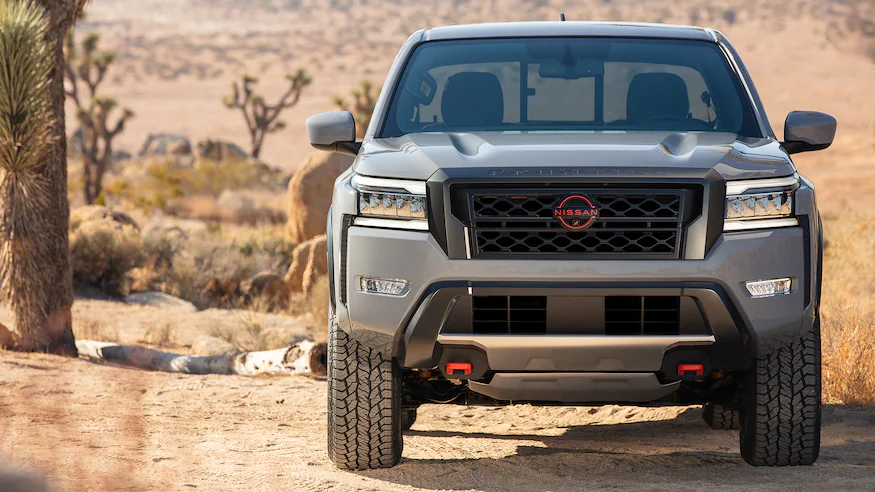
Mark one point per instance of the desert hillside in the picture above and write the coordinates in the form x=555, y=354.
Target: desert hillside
x=177, y=58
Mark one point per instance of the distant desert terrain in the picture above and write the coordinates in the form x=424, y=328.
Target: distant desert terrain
x=177, y=58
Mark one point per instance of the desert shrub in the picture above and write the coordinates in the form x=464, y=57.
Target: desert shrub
x=848, y=309
x=313, y=307
x=209, y=268
x=103, y=253
x=89, y=329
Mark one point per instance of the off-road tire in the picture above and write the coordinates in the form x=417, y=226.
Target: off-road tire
x=718, y=417
x=780, y=417
x=364, y=404
x=408, y=418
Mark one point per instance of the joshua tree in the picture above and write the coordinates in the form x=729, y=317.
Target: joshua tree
x=364, y=99
x=262, y=118
x=88, y=68
x=34, y=212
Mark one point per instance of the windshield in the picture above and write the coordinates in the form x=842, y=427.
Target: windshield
x=569, y=84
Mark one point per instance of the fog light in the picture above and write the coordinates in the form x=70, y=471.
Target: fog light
x=389, y=287
x=768, y=288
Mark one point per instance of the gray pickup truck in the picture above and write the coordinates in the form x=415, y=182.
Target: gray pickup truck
x=570, y=213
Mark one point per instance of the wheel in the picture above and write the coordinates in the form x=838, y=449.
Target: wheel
x=719, y=417
x=408, y=418
x=780, y=417
x=364, y=404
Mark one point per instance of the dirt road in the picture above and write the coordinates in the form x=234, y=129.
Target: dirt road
x=89, y=426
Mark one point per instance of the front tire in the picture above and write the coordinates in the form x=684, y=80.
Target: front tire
x=364, y=404
x=780, y=418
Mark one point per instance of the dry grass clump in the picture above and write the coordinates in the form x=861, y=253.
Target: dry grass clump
x=103, y=252
x=848, y=309
x=89, y=329
x=253, y=331
x=313, y=307
x=209, y=268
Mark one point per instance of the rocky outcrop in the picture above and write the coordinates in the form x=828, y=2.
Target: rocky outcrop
x=219, y=150
x=310, y=192
x=309, y=262
x=166, y=145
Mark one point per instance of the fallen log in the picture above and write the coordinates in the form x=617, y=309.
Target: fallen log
x=305, y=358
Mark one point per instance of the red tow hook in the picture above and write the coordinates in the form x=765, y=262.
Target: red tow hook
x=459, y=368
x=697, y=369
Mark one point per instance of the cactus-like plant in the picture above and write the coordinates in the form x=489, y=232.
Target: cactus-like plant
x=87, y=67
x=263, y=118
x=35, y=275
x=361, y=105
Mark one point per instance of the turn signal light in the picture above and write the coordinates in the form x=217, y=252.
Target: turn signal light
x=769, y=288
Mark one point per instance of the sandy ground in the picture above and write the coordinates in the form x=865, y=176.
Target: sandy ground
x=90, y=426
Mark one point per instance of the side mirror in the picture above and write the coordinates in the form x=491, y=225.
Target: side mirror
x=333, y=131
x=805, y=131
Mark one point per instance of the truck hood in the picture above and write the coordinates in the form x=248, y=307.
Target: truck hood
x=419, y=156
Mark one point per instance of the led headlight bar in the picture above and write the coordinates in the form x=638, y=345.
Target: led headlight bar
x=760, y=204
x=393, y=199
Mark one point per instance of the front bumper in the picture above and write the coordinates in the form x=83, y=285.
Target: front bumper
x=410, y=326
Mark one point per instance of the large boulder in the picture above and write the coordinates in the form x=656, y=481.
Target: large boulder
x=310, y=191
x=309, y=262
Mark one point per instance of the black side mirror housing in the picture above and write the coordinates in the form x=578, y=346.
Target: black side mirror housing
x=806, y=131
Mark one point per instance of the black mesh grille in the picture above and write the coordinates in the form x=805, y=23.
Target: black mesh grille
x=509, y=314
x=631, y=222
x=625, y=315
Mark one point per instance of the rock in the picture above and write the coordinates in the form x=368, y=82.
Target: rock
x=269, y=286
x=309, y=261
x=221, y=292
x=166, y=145
x=310, y=193
x=5, y=337
x=219, y=150
x=96, y=212
x=121, y=155
x=212, y=346
x=160, y=300
x=317, y=265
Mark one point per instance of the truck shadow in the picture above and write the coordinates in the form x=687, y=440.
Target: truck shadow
x=678, y=454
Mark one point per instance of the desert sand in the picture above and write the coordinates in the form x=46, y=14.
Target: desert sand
x=89, y=426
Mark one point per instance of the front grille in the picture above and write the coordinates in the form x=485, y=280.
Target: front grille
x=626, y=315
x=631, y=222
x=517, y=315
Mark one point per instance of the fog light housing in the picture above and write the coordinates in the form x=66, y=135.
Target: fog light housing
x=759, y=289
x=387, y=287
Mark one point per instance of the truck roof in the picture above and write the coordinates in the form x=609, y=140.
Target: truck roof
x=550, y=29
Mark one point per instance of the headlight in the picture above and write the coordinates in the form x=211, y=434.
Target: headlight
x=401, y=200
x=760, y=204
